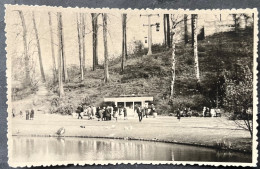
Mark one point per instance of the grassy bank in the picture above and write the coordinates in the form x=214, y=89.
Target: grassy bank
x=209, y=132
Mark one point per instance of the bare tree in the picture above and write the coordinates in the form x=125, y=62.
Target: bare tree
x=54, y=70
x=106, y=74
x=79, y=29
x=167, y=33
x=26, y=56
x=60, y=57
x=83, y=25
x=126, y=56
x=64, y=67
x=235, y=22
x=175, y=22
x=165, y=29
x=123, y=42
x=38, y=47
x=95, y=39
x=192, y=30
x=173, y=60
x=185, y=29
x=195, y=47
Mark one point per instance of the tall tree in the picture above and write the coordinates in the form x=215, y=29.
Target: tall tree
x=165, y=29
x=123, y=42
x=195, y=47
x=60, y=57
x=95, y=39
x=235, y=22
x=83, y=25
x=54, y=70
x=79, y=29
x=26, y=56
x=38, y=48
x=192, y=29
x=106, y=74
x=185, y=29
x=126, y=56
x=173, y=60
x=65, y=73
x=167, y=33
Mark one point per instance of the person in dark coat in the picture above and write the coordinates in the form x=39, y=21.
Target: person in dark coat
x=178, y=114
x=27, y=114
x=100, y=114
x=79, y=111
x=125, y=113
x=32, y=114
x=140, y=114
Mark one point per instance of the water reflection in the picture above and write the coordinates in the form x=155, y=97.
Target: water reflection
x=32, y=149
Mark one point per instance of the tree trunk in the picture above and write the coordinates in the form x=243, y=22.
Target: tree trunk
x=83, y=42
x=165, y=30
x=123, y=42
x=26, y=57
x=195, y=48
x=126, y=57
x=185, y=29
x=60, y=60
x=106, y=74
x=173, y=62
x=65, y=73
x=168, y=31
x=52, y=51
x=79, y=29
x=235, y=22
x=95, y=39
x=192, y=30
x=38, y=48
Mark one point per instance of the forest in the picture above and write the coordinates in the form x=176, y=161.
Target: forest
x=189, y=68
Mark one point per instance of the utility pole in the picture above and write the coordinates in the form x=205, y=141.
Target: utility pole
x=150, y=31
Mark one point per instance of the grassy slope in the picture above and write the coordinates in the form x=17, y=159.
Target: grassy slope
x=151, y=75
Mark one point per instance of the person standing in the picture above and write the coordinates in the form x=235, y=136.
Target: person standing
x=140, y=114
x=79, y=111
x=153, y=108
x=125, y=113
x=27, y=114
x=32, y=115
x=89, y=113
x=94, y=111
x=178, y=114
x=101, y=112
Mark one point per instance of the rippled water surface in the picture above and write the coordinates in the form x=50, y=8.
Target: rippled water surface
x=34, y=149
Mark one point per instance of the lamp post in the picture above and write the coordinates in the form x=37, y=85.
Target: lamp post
x=150, y=31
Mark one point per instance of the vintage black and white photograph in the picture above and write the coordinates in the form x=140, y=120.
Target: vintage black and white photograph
x=112, y=86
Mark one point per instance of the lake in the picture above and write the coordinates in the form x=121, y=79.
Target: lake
x=47, y=149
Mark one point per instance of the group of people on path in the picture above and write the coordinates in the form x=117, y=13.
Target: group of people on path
x=144, y=111
x=102, y=113
x=29, y=114
x=109, y=112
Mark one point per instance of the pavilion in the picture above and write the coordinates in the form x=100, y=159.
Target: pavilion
x=129, y=101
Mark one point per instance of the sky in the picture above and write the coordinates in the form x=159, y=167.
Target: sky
x=135, y=31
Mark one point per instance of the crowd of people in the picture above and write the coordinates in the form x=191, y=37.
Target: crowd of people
x=105, y=113
x=101, y=113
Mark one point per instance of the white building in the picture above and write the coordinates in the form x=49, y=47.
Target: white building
x=129, y=101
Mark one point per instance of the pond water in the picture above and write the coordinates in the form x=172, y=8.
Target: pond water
x=33, y=149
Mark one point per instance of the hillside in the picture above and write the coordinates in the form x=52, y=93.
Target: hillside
x=151, y=75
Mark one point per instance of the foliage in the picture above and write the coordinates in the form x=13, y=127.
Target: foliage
x=239, y=96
